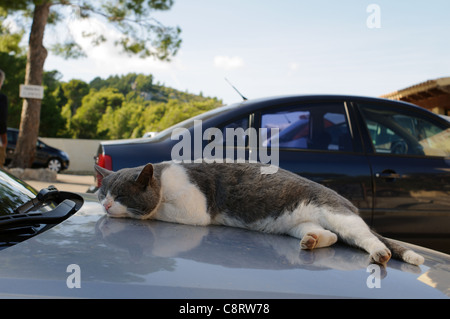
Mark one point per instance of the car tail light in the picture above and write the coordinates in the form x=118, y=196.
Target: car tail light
x=104, y=161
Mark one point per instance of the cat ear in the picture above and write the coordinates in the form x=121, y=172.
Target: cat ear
x=145, y=176
x=102, y=171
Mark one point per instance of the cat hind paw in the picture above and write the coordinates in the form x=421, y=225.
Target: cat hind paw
x=318, y=239
x=413, y=258
x=309, y=241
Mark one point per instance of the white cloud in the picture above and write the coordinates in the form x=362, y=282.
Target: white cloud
x=294, y=66
x=228, y=63
x=10, y=24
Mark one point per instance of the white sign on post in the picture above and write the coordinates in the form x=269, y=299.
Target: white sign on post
x=31, y=91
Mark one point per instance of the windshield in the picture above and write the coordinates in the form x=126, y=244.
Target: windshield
x=13, y=193
x=25, y=213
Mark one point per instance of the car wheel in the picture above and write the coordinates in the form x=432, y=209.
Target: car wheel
x=54, y=164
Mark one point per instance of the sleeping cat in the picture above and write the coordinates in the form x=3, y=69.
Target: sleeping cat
x=237, y=194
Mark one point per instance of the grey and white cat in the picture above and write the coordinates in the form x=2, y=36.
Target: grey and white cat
x=237, y=194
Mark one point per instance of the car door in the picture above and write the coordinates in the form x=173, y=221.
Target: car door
x=41, y=156
x=12, y=140
x=411, y=170
x=316, y=140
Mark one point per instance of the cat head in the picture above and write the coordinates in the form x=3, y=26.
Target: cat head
x=129, y=192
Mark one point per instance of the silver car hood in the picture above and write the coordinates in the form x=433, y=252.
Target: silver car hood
x=123, y=258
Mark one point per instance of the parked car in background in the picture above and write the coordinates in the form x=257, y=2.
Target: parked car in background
x=391, y=159
x=62, y=245
x=46, y=156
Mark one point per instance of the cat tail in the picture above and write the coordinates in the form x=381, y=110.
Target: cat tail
x=401, y=252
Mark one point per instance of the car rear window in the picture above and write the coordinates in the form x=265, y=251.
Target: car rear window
x=399, y=132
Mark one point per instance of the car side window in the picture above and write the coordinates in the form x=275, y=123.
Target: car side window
x=237, y=130
x=400, y=132
x=12, y=137
x=312, y=127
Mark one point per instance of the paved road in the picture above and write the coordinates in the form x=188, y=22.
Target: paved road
x=66, y=182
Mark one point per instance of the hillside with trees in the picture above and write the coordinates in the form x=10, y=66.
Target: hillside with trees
x=118, y=107
x=125, y=106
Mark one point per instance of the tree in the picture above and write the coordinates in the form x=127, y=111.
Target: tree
x=142, y=35
x=73, y=91
x=31, y=108
x=94, y=105
x=52, y=121
x=122, y=122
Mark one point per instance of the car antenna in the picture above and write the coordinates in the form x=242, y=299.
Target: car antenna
x=243, y=97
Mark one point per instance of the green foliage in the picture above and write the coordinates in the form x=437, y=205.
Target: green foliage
x=94, y=105
x=52, y=122
x=68, y=50
x=14, y=68
x=123, y=122
x=73, y=91
x=141, y=33
x=12, y=5
x=131, y=82
x=109, y=109
x=12, y=62
x=125, y=107
x=9, y=42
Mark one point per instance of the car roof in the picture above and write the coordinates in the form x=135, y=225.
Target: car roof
x=251, y=105
x=258, y=103
x=124, y=258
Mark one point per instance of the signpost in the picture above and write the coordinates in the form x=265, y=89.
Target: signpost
x=31, y=91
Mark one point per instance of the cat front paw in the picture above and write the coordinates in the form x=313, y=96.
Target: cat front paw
x=381, y=256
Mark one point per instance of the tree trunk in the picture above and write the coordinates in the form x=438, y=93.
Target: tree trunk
x=31, y=109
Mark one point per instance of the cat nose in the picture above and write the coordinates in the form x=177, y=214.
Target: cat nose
x=107, y=205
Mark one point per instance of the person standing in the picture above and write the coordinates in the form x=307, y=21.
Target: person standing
x=3, y=121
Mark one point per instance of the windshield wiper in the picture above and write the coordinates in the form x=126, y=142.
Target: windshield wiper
x=26, y=214
x=45, y=195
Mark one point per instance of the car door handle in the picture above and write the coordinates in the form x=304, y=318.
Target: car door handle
x=388, y=175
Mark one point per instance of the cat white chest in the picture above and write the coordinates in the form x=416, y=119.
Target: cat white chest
x=182, y=201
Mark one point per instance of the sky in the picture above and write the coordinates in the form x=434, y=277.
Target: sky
x=269, y=48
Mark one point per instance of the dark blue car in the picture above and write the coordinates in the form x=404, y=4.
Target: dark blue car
x=45, y=156
x=391, y=159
